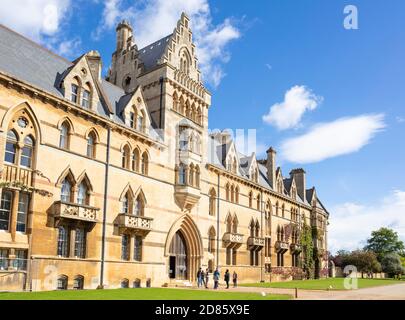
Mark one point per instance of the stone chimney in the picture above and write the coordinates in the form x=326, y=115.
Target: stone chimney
x=299, y=176
x=124, y=33
x=271, y=166
x=94, y=61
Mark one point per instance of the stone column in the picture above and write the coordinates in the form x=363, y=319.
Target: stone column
x=13, y=214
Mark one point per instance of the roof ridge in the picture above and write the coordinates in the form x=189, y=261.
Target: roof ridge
x=35, y=43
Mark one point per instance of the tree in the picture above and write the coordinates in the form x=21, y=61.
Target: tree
x=384, y=241
x=365, y=261
x=308, y=250
x=391, y=264
x=339, y=258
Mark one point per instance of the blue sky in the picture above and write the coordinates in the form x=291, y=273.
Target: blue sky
x=346, y=87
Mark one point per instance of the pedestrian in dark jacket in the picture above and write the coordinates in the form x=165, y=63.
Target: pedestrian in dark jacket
x=216, y=278
x=199, y=281
x=206, y=278
x=203, y=278
x=226, y=278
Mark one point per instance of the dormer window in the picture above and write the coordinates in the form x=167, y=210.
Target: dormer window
x=75, y=93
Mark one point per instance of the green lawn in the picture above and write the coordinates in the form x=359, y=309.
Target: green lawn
x=139, y=294
x=323, y=284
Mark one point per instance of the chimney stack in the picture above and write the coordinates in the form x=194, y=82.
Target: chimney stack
x=299, y=176
x=271, y=166
x=94, y=61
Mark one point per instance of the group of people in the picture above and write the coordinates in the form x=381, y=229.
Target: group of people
x=203, y=278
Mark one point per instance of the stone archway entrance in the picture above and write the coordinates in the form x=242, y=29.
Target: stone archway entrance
x=184, y=249
x=178, y=257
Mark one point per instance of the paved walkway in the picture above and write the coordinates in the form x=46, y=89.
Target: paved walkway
x=391, y=292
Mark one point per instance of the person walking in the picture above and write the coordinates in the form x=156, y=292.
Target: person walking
x=199, y=282
x=203, y=278
x=226, y=278
x=216, y=278
x=206, y=278
x=235, y=279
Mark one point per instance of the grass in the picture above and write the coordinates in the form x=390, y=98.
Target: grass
x=323, y=284
x=139, y=294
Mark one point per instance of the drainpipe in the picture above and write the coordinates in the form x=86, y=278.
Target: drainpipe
x=262, y=236
x=107, y=166
x=161, y=104
x=218, y=199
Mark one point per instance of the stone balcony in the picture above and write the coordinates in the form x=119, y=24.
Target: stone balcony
x=15, y=174
x=295, y=248
x=186, y=196
x=232, y=240
x=136, y=224
x=281, y=246
x=255, y=242
x=73, y=211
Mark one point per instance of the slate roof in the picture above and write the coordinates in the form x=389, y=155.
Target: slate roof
x=150, y=54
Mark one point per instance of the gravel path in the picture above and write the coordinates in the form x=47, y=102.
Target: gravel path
x=391, y=292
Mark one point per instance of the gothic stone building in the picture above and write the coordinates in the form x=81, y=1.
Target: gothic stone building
x=116, y=181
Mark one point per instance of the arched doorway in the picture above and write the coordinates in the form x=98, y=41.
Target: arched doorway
x=184, y=249
x=178, y=257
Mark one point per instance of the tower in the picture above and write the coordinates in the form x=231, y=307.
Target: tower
x=124, y=35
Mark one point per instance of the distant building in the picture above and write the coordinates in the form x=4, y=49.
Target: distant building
x=117, y=182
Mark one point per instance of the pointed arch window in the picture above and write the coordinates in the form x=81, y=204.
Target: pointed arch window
x=139, y=207
x=145, y=164
x=91, y=145
x=197, y=176
x=11, y=147
x=135, y=160
x=211, y=240
x=82, y=194
x=75, y=93
x=26, y=152
x=229, y=224
x=227, y=190
x=182, y=174
x=252, y=228
x=191, y=175
x=64, y=136
x=257, y=229
x=250, y=199
x=125, y=204
x=235, y=224
x=237, y=194
x=66, y=191
x=86, y=96
x=258, y=202
x=125, y=157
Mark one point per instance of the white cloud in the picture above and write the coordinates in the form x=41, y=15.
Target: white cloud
x=327, y=140
x=154, y=19
x=288, y=114
x=352, y=223
x=34, y=18
x=69, y=48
